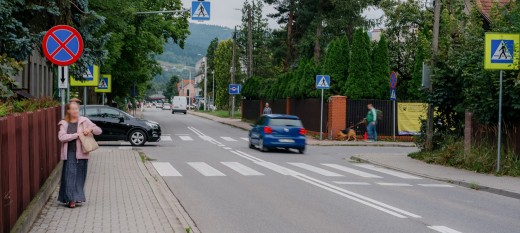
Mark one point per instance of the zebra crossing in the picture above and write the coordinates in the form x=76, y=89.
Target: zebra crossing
x=262, y=168
x=189, y=138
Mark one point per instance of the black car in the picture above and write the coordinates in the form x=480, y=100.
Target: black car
x=118, y=125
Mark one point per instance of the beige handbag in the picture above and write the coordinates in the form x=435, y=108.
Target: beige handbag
x=88, y=143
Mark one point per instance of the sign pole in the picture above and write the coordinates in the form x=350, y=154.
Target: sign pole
x=103, y=100
x=499, y=122
x=394, y=120
x=61, y=71
x=321, y=116
x=233, y=107
x=84, y=101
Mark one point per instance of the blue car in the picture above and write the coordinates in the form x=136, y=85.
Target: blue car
x=277, y=131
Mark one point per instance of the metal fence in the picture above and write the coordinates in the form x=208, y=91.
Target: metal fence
x=29, y=151
x=307, y=109
x=357, y=111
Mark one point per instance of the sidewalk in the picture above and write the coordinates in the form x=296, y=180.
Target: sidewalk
x=310, y=140
x=123, y=195
x=505, y=185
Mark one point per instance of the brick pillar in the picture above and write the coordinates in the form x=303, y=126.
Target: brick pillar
x=337, y=115
x=468, y=132
x=261, y=107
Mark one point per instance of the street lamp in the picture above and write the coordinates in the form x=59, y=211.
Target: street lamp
x=213, y=89
x=205, y=84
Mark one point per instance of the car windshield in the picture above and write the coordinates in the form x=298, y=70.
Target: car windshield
x=285, y=122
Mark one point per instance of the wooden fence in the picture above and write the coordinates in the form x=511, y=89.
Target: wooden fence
x=29, y=151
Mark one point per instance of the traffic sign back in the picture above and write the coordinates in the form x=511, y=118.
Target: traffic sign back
x=322, y=82
x=201, y=10
x=62, y=45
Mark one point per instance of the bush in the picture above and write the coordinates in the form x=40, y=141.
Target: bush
x=16, y=106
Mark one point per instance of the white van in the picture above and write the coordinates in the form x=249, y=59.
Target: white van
x=179, y=104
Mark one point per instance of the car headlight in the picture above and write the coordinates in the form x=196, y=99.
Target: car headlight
x=152, y=125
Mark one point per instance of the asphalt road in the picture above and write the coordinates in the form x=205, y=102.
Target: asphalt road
x=227, y=187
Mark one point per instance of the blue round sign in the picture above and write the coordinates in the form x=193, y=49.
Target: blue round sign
x=393, y=80
x=62, y=45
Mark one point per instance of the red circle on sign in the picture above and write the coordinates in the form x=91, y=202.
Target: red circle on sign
x=393, y=80
x=62, y=45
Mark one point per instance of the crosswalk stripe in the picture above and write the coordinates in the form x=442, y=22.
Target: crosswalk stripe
x=242, y=169
x=388, y=172
x=229, y=139
x=443, y=229
x=352, y=183
x=245, y=139
x=166, y=138
x=352, y=171
x=186, y=138
x=395, y=184
x=316, y=169
x=437, y=185
x=277, y=168
x=165, y=169
x=125, y=148
x=206, y=169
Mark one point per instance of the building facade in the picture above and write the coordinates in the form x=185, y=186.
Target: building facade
x=37, y=77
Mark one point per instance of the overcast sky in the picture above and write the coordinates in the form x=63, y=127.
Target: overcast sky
x=227, y=12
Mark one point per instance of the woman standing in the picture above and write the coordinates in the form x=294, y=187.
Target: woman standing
x=75, y=162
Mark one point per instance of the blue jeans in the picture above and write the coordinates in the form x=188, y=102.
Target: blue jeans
x=371, y=130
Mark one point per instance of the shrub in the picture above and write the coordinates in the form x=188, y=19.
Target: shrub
x=16, y=106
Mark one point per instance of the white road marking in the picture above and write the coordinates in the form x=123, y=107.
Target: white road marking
x=395, y=184
x=221, y=145
x=389, y=172
x=443, y=229
x=242, y=169
x=165, y=169
x=352, y=171
x=351, y=183
x=229, y=139
x=226, y=148
x=206, y=169
x=437, y=185
x=165, y=134
x=125, y=148
x=166, y=138
x=245, y=139
x=278, y=168
x=186, y=138
x=246, y=156
x=316, y=169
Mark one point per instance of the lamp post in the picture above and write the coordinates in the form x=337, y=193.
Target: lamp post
x=205, y=84
x=213, y=73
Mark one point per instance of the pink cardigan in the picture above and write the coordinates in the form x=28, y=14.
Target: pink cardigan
x=66, y=138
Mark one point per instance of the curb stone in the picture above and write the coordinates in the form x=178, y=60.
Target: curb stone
x=178, y=218
x=470, y=185
x=31, y=212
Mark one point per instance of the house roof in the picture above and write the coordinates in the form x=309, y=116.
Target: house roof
x=186, y=82
x=486, y=5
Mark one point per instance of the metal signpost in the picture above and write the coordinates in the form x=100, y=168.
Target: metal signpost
x=393, y=98
x=201, y=10
x=322, y=83
x=234, y=89
x=500, y=55
x=62, y=45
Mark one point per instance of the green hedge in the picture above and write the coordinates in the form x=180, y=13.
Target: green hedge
x=16, y=106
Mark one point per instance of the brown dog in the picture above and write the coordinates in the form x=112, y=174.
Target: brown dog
x=347, y=135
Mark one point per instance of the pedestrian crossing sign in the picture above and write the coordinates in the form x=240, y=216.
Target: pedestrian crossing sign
x=90, y=78
x=105, y=84
x=201, y=10
x=501, y=51
x=322, y=82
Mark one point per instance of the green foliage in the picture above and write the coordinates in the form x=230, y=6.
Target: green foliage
x=336, y=63
x=18, y=106
x=380, y=70
x=359, y=84
x=171, y=88
x=223, y=58
x=8, y=67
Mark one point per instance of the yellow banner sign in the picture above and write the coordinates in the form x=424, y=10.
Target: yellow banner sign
x=105, y=84
x=409, y=117
x=91, y=79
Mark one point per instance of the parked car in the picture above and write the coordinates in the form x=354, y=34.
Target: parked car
x=278, y=131
x=118, y=125
x=167, y=107
x=158, y=105
x=180, y=104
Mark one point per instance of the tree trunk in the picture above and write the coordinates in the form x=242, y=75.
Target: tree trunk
x=319, y=32
x=290, y=23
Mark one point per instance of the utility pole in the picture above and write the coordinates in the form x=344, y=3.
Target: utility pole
x=205, y=83
x=233, y=69
x=213, y=89
x=250, y=39
x=435, y=48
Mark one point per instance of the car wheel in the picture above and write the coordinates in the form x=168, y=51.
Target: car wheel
x=262, y=147
x=301, y=150
x=173, y=112
x=251, y=146
x=184, y=113
x=137, y=138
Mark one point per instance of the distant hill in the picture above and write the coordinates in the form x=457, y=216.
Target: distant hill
x=196, y=43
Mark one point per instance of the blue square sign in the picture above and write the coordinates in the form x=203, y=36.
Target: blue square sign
x=234, y=89
x=502, y=51
x=200, y=10
x=322, y=82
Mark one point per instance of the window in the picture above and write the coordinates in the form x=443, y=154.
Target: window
x=109, y=113
x=91, y=112
x=285, y=122
x=260, y=121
